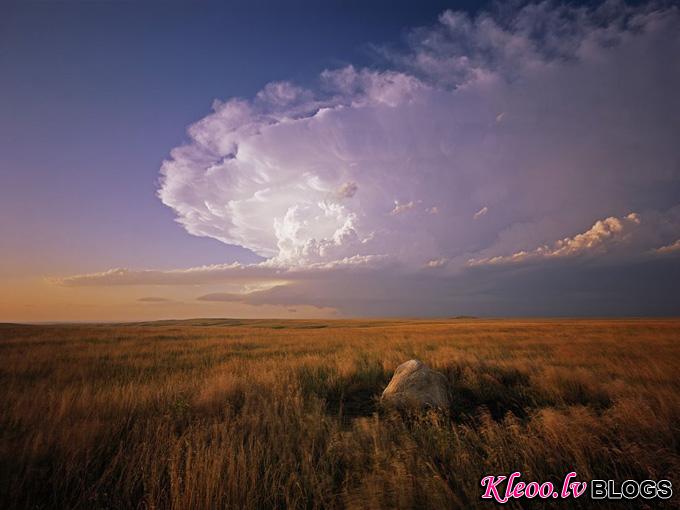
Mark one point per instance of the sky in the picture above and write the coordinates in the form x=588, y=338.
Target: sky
x=338, y=159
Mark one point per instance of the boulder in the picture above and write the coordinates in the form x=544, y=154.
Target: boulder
x=415, y=385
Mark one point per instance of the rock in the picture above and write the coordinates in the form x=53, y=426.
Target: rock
x=415, y=385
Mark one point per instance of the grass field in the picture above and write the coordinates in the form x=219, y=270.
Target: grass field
x=274, y=414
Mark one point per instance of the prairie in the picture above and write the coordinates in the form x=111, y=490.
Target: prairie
x=252, y=414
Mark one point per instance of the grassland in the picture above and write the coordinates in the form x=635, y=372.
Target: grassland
x=274, y=414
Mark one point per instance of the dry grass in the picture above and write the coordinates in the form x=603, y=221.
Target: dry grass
x=264, y=414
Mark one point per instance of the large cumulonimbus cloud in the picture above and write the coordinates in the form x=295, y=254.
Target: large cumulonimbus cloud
x=488, y=135
x=530, y=137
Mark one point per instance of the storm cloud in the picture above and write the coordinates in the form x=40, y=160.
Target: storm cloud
x=513, y=138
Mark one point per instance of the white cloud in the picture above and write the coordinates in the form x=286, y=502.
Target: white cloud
x=480, y=213
x=435, y=263
x=401, y=208
x=587, y=101
x=601, y=237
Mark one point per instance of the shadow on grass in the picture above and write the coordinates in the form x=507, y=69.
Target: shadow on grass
x=496, y=390
x=489, y=388
x=346, y=396
x=476, y=390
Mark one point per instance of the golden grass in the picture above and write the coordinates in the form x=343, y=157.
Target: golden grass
x=274, y=414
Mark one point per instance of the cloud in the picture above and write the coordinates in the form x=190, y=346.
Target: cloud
x=224, y=297
x=264, y=274
x=671, y=248
x=359, y=190
x=153, y=299
x=480, y=213
x=347, y=190
x=435, y=263
x=268, y=296
x=602, y=237
x=550, y=115
x=401, y=208
x=226, y=273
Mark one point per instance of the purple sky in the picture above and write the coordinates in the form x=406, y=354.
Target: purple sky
x=334, y=162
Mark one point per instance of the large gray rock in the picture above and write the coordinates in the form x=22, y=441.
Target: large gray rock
x=414, y=385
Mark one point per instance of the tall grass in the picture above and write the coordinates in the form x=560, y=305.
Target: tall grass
x=264, y=414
